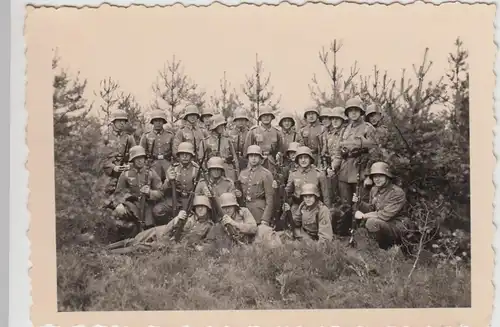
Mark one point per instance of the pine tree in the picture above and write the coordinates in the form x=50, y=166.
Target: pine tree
x=227, y=101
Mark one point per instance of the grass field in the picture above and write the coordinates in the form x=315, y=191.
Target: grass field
x=292, y=276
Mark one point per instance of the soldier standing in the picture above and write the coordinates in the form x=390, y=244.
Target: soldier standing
x=305, y=173
x=257, y=185
x=382, y=214
x=218, y=144
x=333, y=121
x=117, y=144
x=374, y=117
x=158, y=144
x=351, y=152
x=182, y=175
x=311, y=132
x=190, y=132
x=312, y=218
x=287, y=124
x=268, y=138
x=205, y=119
x=238, y=134
x=217, y=183
x=137, y=182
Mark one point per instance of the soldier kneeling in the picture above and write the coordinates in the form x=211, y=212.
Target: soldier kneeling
x=382, y=214
x=237, y=222
x=312, y=219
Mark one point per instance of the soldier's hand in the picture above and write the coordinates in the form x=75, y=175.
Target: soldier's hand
x=120, y=209
x=171, y=175
x=207, y=192
x=145, y=189
x=286, y=206
x=227, y=220
x=238, y=193
x=118, y=168
x=355, y=198
x=278, y=156
x=182, y=215
x=359, y=215
x=275, y=184
x=367, y=182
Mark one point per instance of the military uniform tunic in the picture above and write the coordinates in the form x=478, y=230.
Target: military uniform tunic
x=311, y=138
x=270, y=141
x=257, y=185
x=289, y=136
x=219, y=187
x=128, y=191
x=162, y=152
x=314, y=222
x=238, y=136
x=191, y=134
x=221, y=146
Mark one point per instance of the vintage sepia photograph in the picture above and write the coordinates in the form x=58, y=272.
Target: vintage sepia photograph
x=262, y=157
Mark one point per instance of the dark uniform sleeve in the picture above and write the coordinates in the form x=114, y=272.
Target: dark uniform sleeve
x=325, y=190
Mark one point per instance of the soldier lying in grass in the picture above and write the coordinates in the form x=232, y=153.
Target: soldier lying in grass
x=195, y=230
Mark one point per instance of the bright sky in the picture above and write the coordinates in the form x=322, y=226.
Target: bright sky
x=131, y=45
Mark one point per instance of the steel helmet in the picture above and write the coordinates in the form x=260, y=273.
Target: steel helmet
x=158, y=114
x=380, y=168
x=311, y=109
x=354, y=103
x=240, y=113
x=293, y=147
x=215, y=162
x=206, y=112
x=339, y=112
x=309, y=189
x=119, y=115
x=228, y=200
x=286, y=116
x=266, y=111
x=373, y=108
x=254, y=149
x=304, y=150
x=191, y=109
x=201, y=200
x=326, y=112
x=136, y=151
x=217, y=120
x=186, y=147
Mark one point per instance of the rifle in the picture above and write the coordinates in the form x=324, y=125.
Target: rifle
x=278, y=195
x=287, y=219
x=179, y=227
x=237, y=182
x=142, y=200
x=355, y=206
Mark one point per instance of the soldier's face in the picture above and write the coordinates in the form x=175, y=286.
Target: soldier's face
x=266, y=119
x=354, y=114
x=220, y=129
x=311, y=117
x=374, y=118
x=120, y=124
x=337, y=122
x=239, y=122
x=192, y=118
x=287, y=123
x=215, y=173
x=184, y=158
x=201, y=211
x=309, y=200
x=304, y=160
x=139, y=162
x=326, y=121
x=158, y=123
x=292, y=155
x=229, y=210
x=254, y=159
x=379, y=179
x=206, y=119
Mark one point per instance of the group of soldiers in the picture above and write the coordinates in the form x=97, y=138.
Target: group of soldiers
x=254, y=184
